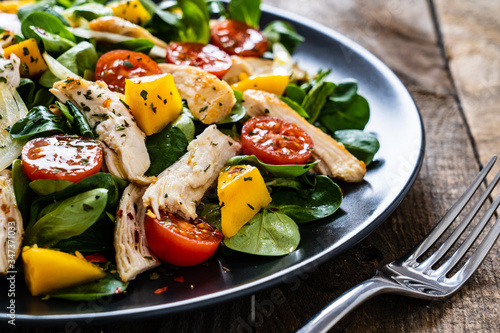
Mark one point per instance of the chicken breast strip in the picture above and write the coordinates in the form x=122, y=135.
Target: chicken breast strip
x=123, y=27
x=181, y=186
x=123, y=142
x=335, y=160
x=11, y=224
x=132, y=252
x=209, y=98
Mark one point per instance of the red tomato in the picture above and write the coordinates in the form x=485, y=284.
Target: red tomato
x=115, y=66
x=207, y=57
x=63, y=157
x=236, y=37
x=180, y=242
x=275, y=141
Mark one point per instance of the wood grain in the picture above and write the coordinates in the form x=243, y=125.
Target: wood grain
x=404, y=35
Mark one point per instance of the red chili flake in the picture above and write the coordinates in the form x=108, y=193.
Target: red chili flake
x=235, y=170
x=160, y=290
x=130, y=216
x=119, y=213
x=96, y=257
x=179, y=279
x=118, y=290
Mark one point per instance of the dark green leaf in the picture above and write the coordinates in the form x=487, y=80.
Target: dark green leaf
x=237, y=112
x=289, y=171
x=284, y=33
x=81, y=122
x=354, y=116
x=39, y=121
x=284, y=182
x=47, y=22
x=67, y=218
x=98, y=237
x=316, y=99
x=24, y=195
x=296, y=107
x=43, y=97
x=344, y=93
x=361, y=144
x=52, y=43
x=141, y=45
x=185, y=123
x=211, y=212
x=89, y=11
x=295, y=93
x=247, y=11
x=108, y=286
x=26, y=90
x=267, y=234
x=309, y=204
x=65, y=111
x=195, y=20
x=47, y=6
x=165, y=148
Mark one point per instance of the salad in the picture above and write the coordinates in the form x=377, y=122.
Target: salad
x=136, y=134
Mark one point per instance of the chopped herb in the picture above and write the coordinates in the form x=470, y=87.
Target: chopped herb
x=84, y=161
x=2, y=79
x=153, y=108
x=266, y=111
x=144, y=95
x=25, y=68
x=222, y=205
x=214, y=144
x=247, y=179
x=251, y=207
x=203, y=109
x=2, y=147
x=166, y=195
x=128, y=64
x=123, y=135
x=208, y=166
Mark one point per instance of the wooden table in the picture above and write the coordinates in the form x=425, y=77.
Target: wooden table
x=447, y=53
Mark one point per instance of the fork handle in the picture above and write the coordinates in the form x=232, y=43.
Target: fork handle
x=336, y=310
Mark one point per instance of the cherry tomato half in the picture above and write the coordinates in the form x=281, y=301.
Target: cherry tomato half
x=180, y=242
x=63, y=157
x=115, y=66
x=275, y=141
x=207, y=57
x=236, y=37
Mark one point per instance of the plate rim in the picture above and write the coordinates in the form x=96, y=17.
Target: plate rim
x=275, y=278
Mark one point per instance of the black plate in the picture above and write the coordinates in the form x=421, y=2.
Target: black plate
x=394, y=120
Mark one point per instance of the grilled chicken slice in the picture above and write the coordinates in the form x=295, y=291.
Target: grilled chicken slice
x=123, y=142
x=335, y=160
x=11, y=224
x=132, y=252
x=123, y=27
x=209, y=98
x=181, y=186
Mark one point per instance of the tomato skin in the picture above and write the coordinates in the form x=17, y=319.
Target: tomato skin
x=275, y=141
x=115, y=66
x=63, y=157
x=180, y=242
x=208, y=57
x=238, y=38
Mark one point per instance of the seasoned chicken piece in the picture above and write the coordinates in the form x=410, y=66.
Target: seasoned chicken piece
x=209, y=98
x=335, y=160
x=181, y=186
x=239, y=70
x=11, y=224
x=132, y=252
x=123, y=27
x=123, y=142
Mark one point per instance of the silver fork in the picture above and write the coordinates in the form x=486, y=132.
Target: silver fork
x=409, y=277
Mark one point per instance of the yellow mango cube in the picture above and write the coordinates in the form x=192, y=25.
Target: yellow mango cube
x=275, y=84
x=242, y=193
x=46, y=270
x=130, y=10
x=32, y=63
x=153, y=100
x=12, y=6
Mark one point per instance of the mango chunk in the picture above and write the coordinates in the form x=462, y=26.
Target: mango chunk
x=32, y=63
x=130, y=10
x=242, y=193
x=275, y=84
x=46, y=270
x=12, y=6
x=153, y=100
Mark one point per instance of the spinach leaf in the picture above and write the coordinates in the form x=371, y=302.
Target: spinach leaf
x=216, y=8
x=335, y=116
x=308, y=205
x=296, y=107
x=137, y=45
x=195, y=21
x=24, y=195
x=267, y=234
x=65, y=111
x=109, y=285
x=113, y=184
x=81, y=121
x=211, y=212
x=295, y=93
x=52, y=43
x=165, y=148
x=89, y=11
x=46, y=6
x=44, y=187
x=97, y=238
x=284, y=182
x=345, y=92
x=165, y=24
x=290, y=171
x=47, y=22
x=67, y=218
x=26, y=90
x=185, y=123
x=43, y=97
x=316, y=99
x=284, y=33
x=39, y=121
x=79, y=59
x=237, y=112
x=361, y=144
x=247, y=11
